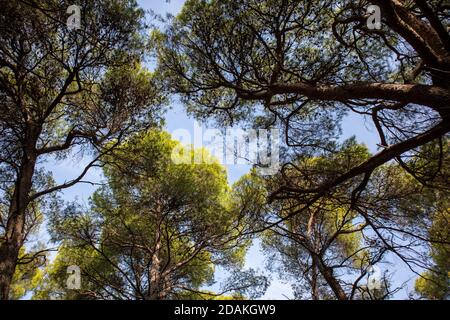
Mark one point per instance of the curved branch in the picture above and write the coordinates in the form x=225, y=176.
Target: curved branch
x=434, y=97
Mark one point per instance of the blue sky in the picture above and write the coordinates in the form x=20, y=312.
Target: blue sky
x=177, y=118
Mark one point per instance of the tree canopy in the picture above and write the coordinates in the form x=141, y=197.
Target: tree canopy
x=305, y=64
x=64, y=91
x=92, y=81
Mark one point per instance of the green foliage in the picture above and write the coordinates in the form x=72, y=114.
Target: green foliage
x=165, y=217
x=330, y=232
x=64, y=92
x=28, y=274
x=156, y=231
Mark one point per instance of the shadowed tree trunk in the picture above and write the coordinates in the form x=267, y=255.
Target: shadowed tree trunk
x=327, y=273
x=49, y=106
x=14, y=235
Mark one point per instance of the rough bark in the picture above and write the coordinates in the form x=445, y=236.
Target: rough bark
x=14, y=235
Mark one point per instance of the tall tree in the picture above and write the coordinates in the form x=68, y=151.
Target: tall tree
x=157, y=230
x=302, y=64
x=331, y=249
x=434, y=282
x=325, y=250
x=63, y=90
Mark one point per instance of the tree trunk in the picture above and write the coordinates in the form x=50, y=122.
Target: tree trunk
x=14, y=235
x=154, y=273
x=327, y=273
